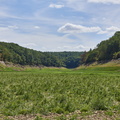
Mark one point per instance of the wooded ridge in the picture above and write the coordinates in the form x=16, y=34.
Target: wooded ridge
x=105, y=51
x=14, y=53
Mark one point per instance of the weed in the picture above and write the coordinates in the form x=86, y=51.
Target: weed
x=109, y=113
x=58, y=92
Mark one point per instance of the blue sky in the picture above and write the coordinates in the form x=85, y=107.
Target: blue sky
x=58, y=25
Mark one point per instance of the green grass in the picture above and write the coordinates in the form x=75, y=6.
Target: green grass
x=59, y=91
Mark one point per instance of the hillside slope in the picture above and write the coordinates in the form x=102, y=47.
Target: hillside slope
x=105, y=51
x=14, y=53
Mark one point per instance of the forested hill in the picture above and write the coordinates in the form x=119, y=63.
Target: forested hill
x=69, y=59
x=19, y=55
x=106, y=50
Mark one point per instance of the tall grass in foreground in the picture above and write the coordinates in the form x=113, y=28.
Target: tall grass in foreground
x=30, y=92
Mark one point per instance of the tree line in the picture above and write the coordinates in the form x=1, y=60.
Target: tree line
x=105, y=51
x=14, y=53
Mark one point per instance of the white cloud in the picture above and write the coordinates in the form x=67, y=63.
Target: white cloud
x=56, y=6
x=78, y=5
x=13, y=27
x=3, y=40
x=29, y=45
x=7, y=29
x=110, y=30
x=36, y=27
x=105, y=1
x=80, y=47
x=4, y=29
x=72, y=48
x=113, y=28
x=72, y=28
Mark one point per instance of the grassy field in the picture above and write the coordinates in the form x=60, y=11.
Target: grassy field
x=59, y=91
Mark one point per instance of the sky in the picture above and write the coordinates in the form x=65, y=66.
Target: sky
x=58, y=25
